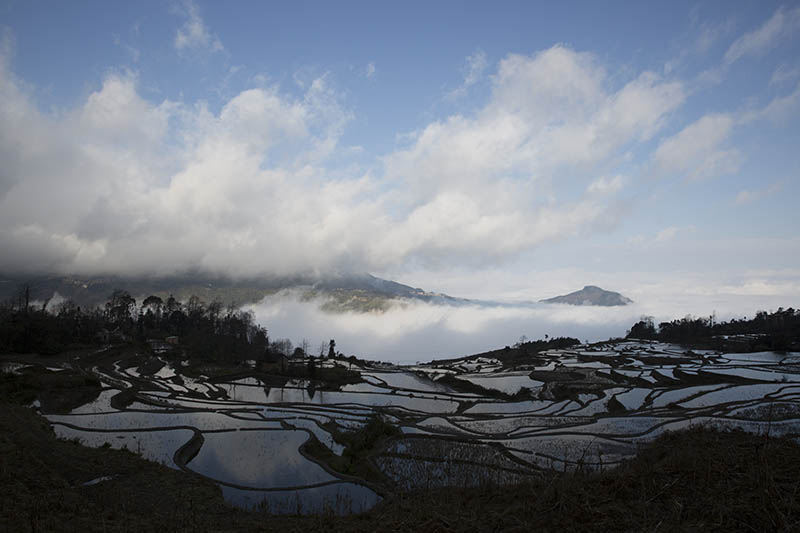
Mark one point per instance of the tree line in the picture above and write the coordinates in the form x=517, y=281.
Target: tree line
x=209, y=331
x=779, y=330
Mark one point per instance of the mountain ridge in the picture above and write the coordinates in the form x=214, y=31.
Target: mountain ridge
x=342, y=292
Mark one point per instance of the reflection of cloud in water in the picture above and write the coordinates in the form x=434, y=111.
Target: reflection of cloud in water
x=417, y=331
x=258, y=459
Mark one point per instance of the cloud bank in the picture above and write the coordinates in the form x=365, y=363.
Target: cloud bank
x=126, y=184
x=412, y=331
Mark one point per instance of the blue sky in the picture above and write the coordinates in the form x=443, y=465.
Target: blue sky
x=508, y=150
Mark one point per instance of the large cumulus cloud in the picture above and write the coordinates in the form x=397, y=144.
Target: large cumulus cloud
x=126, y=184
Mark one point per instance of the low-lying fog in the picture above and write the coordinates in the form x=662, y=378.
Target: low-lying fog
x=412, y=331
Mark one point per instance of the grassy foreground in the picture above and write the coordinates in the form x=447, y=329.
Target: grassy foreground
x=699, y=479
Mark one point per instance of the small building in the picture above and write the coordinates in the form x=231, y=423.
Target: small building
x=158, y=346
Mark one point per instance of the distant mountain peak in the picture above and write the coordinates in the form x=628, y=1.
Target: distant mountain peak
x=591, y=295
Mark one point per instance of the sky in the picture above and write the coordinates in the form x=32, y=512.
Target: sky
x=508, y=150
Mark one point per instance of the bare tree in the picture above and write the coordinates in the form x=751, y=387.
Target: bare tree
x=24, y=293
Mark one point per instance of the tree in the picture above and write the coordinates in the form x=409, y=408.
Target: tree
x=214, y=310
x=312, y=367
x=283, y=346
x=332, y=349
x=153, y=302
x=152, y=307
x=24, y=294
x=195, y=308
x=119, y=307
x=172, y=305
x=644, y=329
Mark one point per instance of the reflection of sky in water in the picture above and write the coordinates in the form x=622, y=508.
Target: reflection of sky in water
x=508, y=383
x=255, y=382
x=204, y=421
x=505, y=424
x=323, y=436
x=365, y=387
x=101, y=404
x=756, y=357
x=751, y=373
x=425, y=404
x=244, y=393
x=407, y=380
x=508, y=407
x=675, y=395
x=258, y=459
x=439, y=424
x=158, y=446
x=619, y=426
x=338, y=498
x=733, y=394
x=634, y=398
x=346, y=416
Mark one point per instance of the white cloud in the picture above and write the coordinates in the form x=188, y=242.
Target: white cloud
x=473, y=69
x=746, y=196
x=134, y=52
x=697, y=150
x=546, y=111
x=476, y=64
x=124, y=184
x=606, y=185
x=700, y=150
x=108, y=188
x=781, y=108
x=663, y=237
x=784, y=74
x=710, y=34
x=370, y=70
x=667, y=234
x=701, y=39
x=782, y=24
x=194, y=34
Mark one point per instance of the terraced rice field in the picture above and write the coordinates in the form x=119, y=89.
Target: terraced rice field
x=588, y=407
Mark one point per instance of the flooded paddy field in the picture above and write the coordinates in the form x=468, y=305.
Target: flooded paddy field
x=288, y=445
